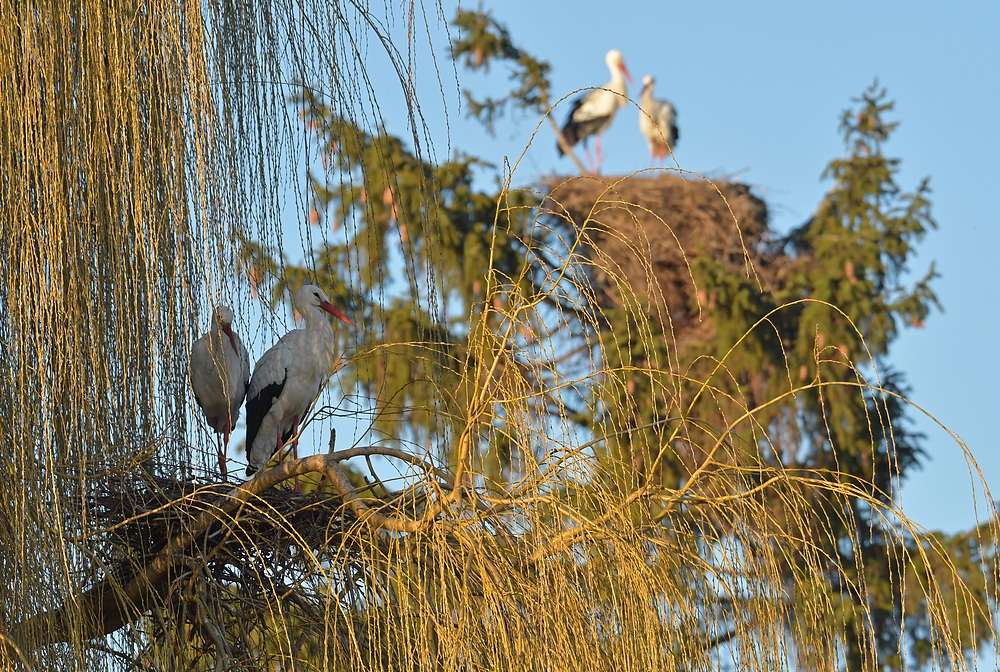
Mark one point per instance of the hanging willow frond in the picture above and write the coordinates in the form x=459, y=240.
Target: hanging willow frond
x=141, y=142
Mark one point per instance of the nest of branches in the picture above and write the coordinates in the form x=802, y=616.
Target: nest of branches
x=225, y=557
x=143, y=514
x=643, y=233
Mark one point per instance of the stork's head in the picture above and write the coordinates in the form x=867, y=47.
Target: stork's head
x=647, y=83
x=311, y=296
x=616, y=61
x=223, y=317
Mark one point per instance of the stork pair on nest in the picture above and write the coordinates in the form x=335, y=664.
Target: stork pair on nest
x=286, y=380
x=592, y=113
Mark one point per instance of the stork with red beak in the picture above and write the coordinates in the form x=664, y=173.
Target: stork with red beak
x=657, y=122
x=593, y=112
x=289, y=377
x=220, y=377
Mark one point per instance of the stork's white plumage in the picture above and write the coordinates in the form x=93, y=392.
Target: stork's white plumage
x=220, y=376
x=657, y=122
x=289, y=377
x=593, y=112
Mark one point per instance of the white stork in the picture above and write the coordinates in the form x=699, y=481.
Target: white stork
x=220, y=376
x=657, y=122
x=289, y=377
x=593, y=112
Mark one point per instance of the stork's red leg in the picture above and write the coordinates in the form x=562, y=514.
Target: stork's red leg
x=221, y=453
x=222, y=450
x=295, y=452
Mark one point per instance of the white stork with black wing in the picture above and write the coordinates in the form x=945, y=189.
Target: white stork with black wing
x=593, y=112
x=657, y=122
x=220, y=376
x=289, y=377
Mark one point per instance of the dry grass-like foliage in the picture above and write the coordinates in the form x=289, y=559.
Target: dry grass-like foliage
x=138, y=143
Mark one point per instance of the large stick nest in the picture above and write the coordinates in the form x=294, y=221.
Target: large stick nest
x=144, y=514
x=642, y=235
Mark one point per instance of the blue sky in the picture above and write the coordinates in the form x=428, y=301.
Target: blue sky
x=759, y=88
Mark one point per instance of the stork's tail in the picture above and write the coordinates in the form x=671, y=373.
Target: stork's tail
x=570, y=135
x=263, y=445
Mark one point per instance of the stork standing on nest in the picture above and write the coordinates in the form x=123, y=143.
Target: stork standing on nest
x=593, y=112
x=220, y=376
x=657, y=122
x=289, y=377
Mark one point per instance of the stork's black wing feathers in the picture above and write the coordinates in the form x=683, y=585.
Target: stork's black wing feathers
x=570, y=129
x=257, y=408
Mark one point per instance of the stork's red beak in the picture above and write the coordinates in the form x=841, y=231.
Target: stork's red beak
x=329, y=307
x=228, y=330
x=628, y=77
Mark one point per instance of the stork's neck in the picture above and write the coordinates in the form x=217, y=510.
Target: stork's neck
x=617, y=84
x=317, y=322
x=218, y=338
